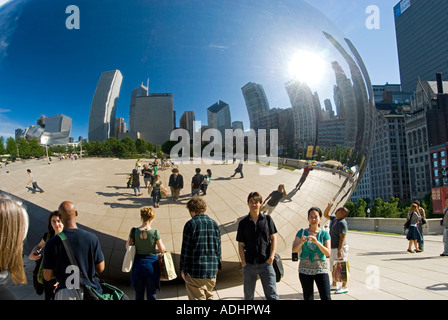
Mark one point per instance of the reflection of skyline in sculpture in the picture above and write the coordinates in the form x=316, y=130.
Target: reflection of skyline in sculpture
x=54, y=130
x=344, y=125
x=104, y=106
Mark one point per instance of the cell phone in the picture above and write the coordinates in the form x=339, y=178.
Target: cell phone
x=295, y=256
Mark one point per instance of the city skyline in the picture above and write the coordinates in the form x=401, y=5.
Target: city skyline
x=79, y=94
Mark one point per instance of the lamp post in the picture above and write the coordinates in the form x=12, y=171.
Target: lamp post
x=44, y=140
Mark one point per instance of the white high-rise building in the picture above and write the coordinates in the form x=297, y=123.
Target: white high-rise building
x=104, y=106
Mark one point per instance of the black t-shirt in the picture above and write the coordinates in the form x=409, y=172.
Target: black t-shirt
x=256, y=238
x=197, y=180
x=276, y=196
x=147, y=173
x=87, y=251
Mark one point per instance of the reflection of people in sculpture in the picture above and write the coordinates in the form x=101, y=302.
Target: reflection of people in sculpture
x=305, y=173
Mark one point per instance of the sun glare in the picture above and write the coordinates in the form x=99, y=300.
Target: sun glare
x=307, y=67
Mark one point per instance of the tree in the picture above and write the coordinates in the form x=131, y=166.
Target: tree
x=36, y=149
x=2, y=145
x=24, y=148
x=141, y=145
x=129, y=145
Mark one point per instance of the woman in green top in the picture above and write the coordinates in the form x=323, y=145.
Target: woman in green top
x=145, y=274
x=157, y=186
x=315, y=247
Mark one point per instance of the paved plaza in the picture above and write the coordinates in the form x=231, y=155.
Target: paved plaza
x=381, y=269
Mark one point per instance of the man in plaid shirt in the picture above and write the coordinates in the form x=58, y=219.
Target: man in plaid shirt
x=200, y=256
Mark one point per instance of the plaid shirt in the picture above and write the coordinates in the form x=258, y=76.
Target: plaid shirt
x=201, y=248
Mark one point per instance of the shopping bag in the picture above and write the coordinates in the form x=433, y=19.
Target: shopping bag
x=162, y=193
x=167, y=270
x=341, y=271
x=128, y=260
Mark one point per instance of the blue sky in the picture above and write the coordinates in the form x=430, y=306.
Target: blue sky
x=47, y=69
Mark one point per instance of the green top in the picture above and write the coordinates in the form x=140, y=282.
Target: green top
x=156, y=186
x=309, y=249
x=148, y=245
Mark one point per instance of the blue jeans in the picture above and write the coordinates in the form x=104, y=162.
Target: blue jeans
x=145, y=276
x=267, y=277
x=445, y=240
x=156, y=196
x=145, y=284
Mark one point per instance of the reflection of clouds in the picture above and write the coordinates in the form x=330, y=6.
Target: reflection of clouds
x=9, y=16
x=217, y=46
x=8, y=126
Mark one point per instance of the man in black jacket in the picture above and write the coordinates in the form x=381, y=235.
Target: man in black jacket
x=176, y=183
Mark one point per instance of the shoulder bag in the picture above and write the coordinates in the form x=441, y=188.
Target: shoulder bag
x=109, y=292
x=407, y=224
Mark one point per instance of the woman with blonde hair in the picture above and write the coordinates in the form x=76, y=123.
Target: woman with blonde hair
x=145, y=274
x=413, y=234
x=13, y=229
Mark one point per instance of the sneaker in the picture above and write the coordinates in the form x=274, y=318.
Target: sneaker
x=342, y=290
x=333, y=288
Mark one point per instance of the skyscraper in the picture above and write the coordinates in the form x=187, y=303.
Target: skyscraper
x=257, y=105
x=140, y=91
x=421, y=28
x=104, y=106
x=154, y=117
x=218, y=116
x=186, y=122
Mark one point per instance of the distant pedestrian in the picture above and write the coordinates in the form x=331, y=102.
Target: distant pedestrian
x=196, y=182
x=176, y=183
x=157, y=187
x=239, y=170
x=155, y=166
x=200, y=257
x=138, y=165
x=206, y=182
x=273, y=199
x=305, y=174
x=420, y=224
x=257, y=244
x=136, y=182
x=34, y=182
x=339, y=248
x=413, y=234
x=315, y=247
x=147, y=175
x=444, y=224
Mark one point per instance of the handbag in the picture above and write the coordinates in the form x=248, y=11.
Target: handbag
x=407, y=224
x=162, y=193
x=110, y=292
x=128, y=260
x=167, y=270
x=278, y=267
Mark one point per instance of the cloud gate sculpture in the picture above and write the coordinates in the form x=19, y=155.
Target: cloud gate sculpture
x=284, y=64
